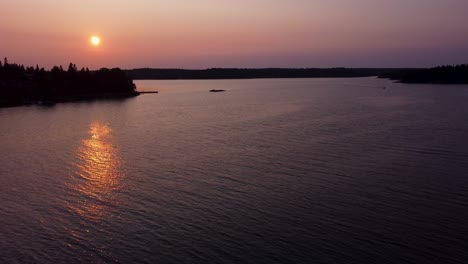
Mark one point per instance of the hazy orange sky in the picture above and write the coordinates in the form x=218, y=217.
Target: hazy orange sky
x=242, y=33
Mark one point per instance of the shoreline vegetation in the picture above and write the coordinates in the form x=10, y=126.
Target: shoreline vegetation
x=457, y=74
x=21, y=85
x=265, y=73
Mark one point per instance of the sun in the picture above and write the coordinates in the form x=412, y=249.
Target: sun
x=95, y=40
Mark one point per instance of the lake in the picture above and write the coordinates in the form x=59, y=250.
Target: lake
x=271, y=171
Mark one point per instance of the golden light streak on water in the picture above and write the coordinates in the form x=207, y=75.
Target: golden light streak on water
x=97, y=173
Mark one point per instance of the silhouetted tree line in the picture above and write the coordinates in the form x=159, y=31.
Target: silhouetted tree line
x=224, y=73
x=457, y=74
x=21, y=85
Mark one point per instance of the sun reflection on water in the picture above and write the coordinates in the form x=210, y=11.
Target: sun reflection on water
x=97, y=174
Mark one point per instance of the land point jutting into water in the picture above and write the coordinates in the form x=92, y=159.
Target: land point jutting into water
x=20, y=85
x=457, y=74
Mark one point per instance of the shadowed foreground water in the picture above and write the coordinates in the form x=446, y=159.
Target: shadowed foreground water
x=271, y=171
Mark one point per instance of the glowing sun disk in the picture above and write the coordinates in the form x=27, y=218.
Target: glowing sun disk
x=95, y=40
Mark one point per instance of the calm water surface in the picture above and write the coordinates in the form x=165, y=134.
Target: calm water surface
x=271, y=171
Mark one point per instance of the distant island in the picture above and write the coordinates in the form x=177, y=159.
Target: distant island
x=457, y=74
x=21, y=85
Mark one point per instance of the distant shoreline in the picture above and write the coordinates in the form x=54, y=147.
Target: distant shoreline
x=265, y=73
x=457, y=74
x=21, y=85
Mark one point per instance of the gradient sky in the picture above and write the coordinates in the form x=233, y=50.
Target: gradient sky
x=235, y=33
